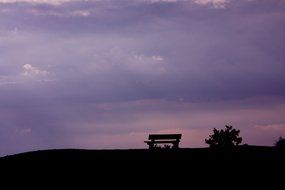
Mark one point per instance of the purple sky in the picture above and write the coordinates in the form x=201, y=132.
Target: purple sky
x=106, y=73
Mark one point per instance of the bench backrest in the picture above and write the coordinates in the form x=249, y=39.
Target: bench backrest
x=164, y=136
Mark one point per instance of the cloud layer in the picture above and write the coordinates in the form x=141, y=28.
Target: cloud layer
x=75, y=73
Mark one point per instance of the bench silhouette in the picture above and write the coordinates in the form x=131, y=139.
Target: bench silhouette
x=154, y=139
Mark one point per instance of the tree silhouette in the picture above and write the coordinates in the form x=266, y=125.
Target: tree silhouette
x=280, y=143
x=224, y=139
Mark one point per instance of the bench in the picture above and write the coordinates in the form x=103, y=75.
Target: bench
x=154, y=139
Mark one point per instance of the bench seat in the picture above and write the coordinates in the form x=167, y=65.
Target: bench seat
x=160, y=142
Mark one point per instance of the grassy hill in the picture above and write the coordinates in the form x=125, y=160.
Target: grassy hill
x=190, y=163
x=185, y=156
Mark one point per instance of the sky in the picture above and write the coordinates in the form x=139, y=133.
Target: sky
x=103, y=74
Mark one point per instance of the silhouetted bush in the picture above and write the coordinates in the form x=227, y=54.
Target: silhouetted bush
x=224, y=139
x=280, y=143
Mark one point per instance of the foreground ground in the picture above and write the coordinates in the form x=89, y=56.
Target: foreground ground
x=245, y=163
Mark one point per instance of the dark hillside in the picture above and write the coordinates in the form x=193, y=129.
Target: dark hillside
x=244, y=163
x=243, y=155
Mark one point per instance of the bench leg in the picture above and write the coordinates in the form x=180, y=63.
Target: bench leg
x=151, y=146
x=176, y=145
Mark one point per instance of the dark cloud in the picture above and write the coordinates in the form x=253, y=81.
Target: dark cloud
x=103, y=69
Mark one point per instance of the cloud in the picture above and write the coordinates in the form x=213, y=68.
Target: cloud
x=31, y=71
x=271, y=127
x=123, y=70
x=28, y=72
x=127, y=124
x=213, y=3
x=168, y=53
x=54, y=2
x=146, y=64
x=7, y=82
x=163, y=1
x=157, y=58
x=83, y=13
x=25, y=131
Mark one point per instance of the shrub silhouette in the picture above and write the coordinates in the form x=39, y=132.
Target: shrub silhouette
x=280, y=143
x=224, y=139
